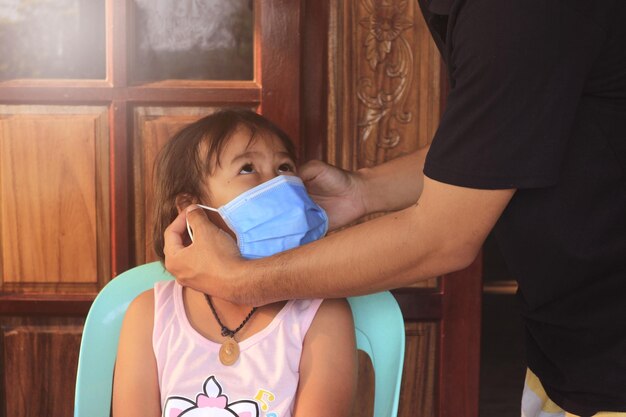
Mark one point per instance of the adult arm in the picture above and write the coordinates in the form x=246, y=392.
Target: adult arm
x=503, y=138
x=440, y=234
x=135, y=382
x=328, y=366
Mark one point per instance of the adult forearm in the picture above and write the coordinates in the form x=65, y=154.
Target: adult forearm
x=396, y=184
x=442, y=233
x=380, y=254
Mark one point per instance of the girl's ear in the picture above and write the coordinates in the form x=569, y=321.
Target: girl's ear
x=184, y=200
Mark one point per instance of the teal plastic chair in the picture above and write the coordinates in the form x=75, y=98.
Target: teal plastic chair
x=378, y=322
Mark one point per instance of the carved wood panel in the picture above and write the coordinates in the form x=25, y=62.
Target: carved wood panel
x=384, y=77
x=384, y=100
x=54, y=195
x=384, y=84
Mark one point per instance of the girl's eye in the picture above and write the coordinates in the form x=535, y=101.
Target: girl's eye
x=285, y=168
x=247, y=169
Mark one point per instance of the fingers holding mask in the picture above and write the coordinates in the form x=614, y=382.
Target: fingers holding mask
x=195, y=219
x=209, y=234
x=335, y=190
x=179, y=252
x=174, y=235
x=188, y=258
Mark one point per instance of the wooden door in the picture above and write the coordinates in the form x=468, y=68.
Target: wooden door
x=89, y=90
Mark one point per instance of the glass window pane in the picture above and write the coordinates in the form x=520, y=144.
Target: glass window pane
x=193, y=40
x=52, y=39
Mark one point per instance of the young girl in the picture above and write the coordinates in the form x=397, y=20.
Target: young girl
x=182, y=353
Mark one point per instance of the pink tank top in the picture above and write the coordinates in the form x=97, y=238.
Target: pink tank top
x=192, y=380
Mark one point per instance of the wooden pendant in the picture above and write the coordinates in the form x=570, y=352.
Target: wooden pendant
x=229, y=352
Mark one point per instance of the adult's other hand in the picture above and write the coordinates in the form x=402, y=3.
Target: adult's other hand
x=339, y=192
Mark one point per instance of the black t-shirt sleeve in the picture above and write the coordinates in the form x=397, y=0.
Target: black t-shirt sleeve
x=517, y=73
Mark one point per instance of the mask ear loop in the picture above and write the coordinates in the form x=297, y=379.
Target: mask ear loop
x=187, y=220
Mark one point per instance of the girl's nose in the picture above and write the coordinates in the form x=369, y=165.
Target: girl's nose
x=269, y=175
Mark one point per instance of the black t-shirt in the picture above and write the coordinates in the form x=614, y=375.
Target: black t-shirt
x=537, y=102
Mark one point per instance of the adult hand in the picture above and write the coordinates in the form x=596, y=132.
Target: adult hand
x=205, y=264
x=339, y=192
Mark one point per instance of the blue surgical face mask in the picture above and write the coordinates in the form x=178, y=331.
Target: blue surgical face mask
x=273, y=217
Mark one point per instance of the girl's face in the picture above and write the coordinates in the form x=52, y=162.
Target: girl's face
x=244, y=164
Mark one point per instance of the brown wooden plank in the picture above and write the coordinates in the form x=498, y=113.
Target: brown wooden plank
x=39, y=370
x=278, y=50
x=215, y=93
x=315, y=80
x=120, y=190
x=417, y=394
x=459, y=357
x=76, y=305
x=364, y=398
x=102, y=178
x=51, y=196
x=419, y=304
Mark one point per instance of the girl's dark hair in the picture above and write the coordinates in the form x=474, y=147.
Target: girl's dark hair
x=192, y=154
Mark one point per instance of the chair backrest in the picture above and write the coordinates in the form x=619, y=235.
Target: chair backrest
x=378, y=322
x=379, y=329
x=98, y=347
